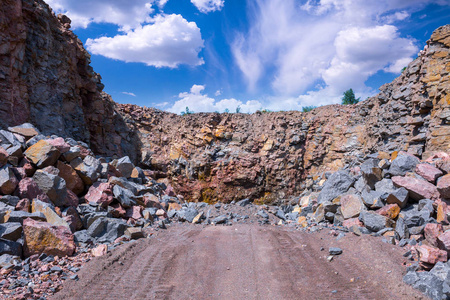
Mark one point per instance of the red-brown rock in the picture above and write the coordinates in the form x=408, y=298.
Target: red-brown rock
x=71, y=216
x=73, y=181
x=151, y=200
x=443, y=186
x=42, y=237
x=431, y=255
x=118, y=211
x=431, y=233
x=100, y=193
x=27, y=166
x=418, y=189
x=71, y=199
x=428, y=172
x=443, y=241
x=3, y=157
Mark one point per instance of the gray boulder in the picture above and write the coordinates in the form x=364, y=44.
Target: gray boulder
x=374, y=221
x=11, y=231
x=53, y=185
x=399, y=196
x=220, y=219
x=402, y=164
x=336, y=185
x=371, y=172
x=124, y=196
x=10, y=247
x=18, y=216
x=187, y=214
x=124, y=165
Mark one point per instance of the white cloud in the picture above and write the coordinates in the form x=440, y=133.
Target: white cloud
x=126, y=14
x=197, y=101
x=337, y=44
x=206, y=6
x=162, y=3
x=129, y=94
x=218, y=93
x=168, y=41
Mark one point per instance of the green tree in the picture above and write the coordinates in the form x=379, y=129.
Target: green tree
x=238, y=109
x=349, y=97
x=187, y=112
x=308, y=108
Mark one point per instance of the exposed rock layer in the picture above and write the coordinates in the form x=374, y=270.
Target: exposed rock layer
x=46, y=79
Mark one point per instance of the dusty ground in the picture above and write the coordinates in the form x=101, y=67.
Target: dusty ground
x=244, y=262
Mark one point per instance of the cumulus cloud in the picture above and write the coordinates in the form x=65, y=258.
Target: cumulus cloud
x=168, y=41
x=126, y=14
x=197, y=101
x=206, y=6
x=330, y=44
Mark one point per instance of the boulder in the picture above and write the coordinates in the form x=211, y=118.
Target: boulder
x=117, y=211
x=88, y=169
x=42, y=237
x=71, y=216
x=100, y=250
x=390, y=211
x=402, y=164
x=399, y=196
x=42, y=154
x=443, y=241
x=49, y=212
x=128, y=185
x=28, y=188
x=100, y=193
x=417, y=188
x=59, y=144
x=134, y=233
x=352, y=222
x=19, y=216
x=431, y=232
x=9, y=200
x=10, y=247
x=11, y=231
x=26, y=130
x=8, y=181
x=430, y=255
x=371, y=172
x=372, y=199
x=443, y=186
x=134, y=212
x=374, y=221
x=24, y=205
x=73, y=153
x=54, y=186
x=124, y=196
x=3, y=156
x=187, y=214
x=106, y=230
x=338, y=183
x=401, y=230
x=124, y=166
x=351, y=206
x=70, y=176
x=428, y=172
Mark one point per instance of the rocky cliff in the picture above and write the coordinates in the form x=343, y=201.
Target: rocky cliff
x=268, y=156
x=46, y=79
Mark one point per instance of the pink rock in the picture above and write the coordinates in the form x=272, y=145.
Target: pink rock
x=443, y=186
x=29, y=189
x=351, y=206
x=27, y=167
x=443, y=241
x=151, y=200
x=23, y=205
x=431, y=233
x=431, y=255
x=100, y=193
x=59, y=144
x=71, y=199
x=352, y=222
x=418, y=189
x=134, y=212
x=428, y=172
x=170, y=191
x=42, y=237
x=100, y=250
x=438, y=155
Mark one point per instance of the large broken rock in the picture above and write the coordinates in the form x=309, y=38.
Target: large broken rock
x=418, y=189
x=28, y=188
x=8, y=181
x=100, y=193
x=336, y=185
x=124, y=165
x=351, y=206
x=42, y=154
x=48, y=210
x=54, y=186
x=70, y=176
x=443, y=186
x=42, y=237
x=402, y=164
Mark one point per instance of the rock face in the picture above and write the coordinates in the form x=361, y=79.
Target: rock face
x=211, y=156
x=46, y=79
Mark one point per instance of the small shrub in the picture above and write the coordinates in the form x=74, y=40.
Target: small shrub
x=308, y=108
x=349, y=97
x=187, y=112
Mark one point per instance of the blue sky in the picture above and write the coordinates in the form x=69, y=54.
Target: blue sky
x=212, y=55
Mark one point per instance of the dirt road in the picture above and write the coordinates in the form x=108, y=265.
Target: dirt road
x=244, y=262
